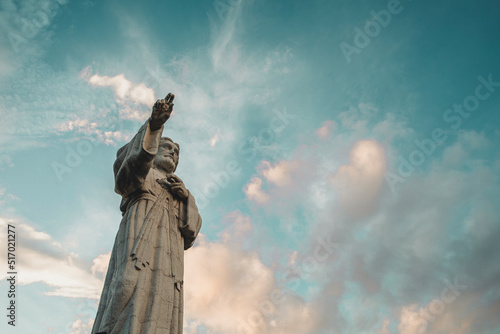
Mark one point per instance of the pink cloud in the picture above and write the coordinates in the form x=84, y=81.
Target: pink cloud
x=326, y=129
x=228, y=290
x=360, y=181
x=279, y=174
x=239, y=226
x=254, y=192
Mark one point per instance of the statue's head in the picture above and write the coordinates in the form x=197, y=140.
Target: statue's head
x=167, y=157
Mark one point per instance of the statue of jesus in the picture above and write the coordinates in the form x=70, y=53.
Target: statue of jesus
x=143, y=290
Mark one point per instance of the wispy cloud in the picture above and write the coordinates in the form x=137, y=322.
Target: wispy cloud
x=207, y=94
x=81, y=326
x=5, y=197
x=326, y=129
x=40, y=256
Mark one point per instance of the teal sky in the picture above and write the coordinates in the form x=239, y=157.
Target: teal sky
x=356, y=151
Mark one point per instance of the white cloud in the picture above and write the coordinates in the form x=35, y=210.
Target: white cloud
x=82, y=327
x=124, y=89
x=100, y=265
x=131, y=97
x=114, y=137
x=215, y=138
x=92, y=130
x=253, y=191
x=5, y=161
x=40, y=257
x=5, y=197
x=280, y=174
x=412, y=320
x=239, y=227
x=83, y=125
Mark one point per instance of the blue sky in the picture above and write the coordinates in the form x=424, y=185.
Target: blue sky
x=342, y=154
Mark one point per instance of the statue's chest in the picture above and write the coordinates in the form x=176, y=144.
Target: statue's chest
x=169, y=202
x=171, y=205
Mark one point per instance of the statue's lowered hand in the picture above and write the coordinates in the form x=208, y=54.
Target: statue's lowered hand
x=162, y=110
x=177, y=187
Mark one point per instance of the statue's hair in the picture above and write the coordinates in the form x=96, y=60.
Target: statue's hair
x=165, y=139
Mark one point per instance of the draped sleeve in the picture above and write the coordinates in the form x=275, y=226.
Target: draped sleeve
x=135, y=159
x=190, y=222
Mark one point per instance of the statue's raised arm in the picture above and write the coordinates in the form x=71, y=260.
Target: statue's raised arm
x=136, y=158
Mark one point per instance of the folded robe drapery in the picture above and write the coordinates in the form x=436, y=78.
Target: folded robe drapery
x=142, y=246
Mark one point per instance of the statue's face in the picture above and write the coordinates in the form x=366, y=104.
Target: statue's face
x=167, y=157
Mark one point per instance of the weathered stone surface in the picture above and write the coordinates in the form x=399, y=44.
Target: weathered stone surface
x=143, y=290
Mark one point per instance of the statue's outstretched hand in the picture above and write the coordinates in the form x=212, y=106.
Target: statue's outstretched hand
x=161, y=112
x=177, y=187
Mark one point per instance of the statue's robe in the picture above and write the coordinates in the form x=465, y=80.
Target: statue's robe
x=143, y=290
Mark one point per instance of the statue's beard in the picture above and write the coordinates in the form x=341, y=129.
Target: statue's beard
x=167, y=164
